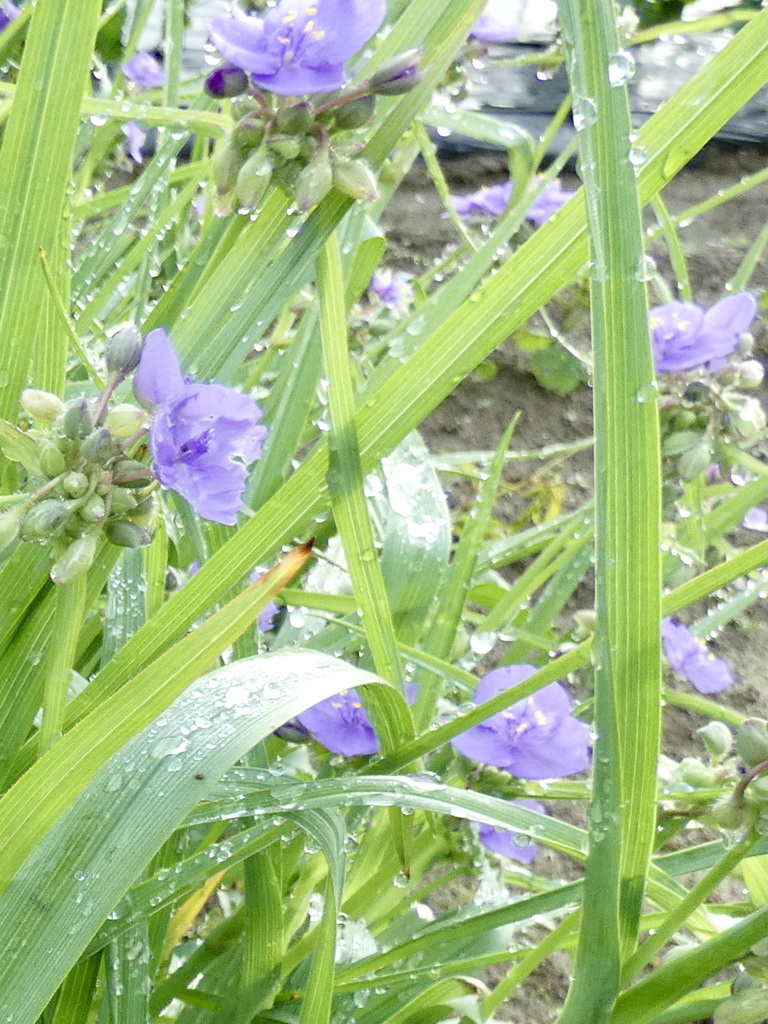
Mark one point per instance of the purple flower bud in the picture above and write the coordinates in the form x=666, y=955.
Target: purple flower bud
x=226, y=81
x=398, y=75
x=124, y=350
x=686, y=335
x=144, y=70
x=497, y=23
x=536, y=738
x=508, y=842
x=756, y=519
x=689, y=656
x=136, y=137
x=202, y=436
x=299, y=46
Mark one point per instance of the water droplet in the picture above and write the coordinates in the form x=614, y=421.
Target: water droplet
x=638, y=155
x=621, y=68
x=648, y=392
x=584, y=113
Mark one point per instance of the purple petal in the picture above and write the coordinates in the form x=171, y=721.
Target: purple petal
x=136, y=139
x=507, y=841
x=330, y=31
x=9, y=12
x=145, y=70
x=678, y=642
x=241, y=40
x=733, y=314
x=756, y=519
x=676, y=329
x=501, y=679
x=489, y=201
x=159, y=374
x=295, y=80
x=497, y=23
x=548, y=203
x=341, y=724
x=708, y=674
x=551, y=753
x=484, y=744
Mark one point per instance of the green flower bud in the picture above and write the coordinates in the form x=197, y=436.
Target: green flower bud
x=398, y=75
x=681, y=441
x=695, y=774
x=226, y=162
x=47, y=518
x=253, y=179
x=42, y=405
x=126, y=534
x=76, y=422
x=125, y=420
x=355, y=178
x=124, y=350
x=752, y=741
x=587, y=619
x=314, y=182
x=122, y=501
x=98, y=447
x=131, y=473
x=356, y=113
x=77, y=559
x=242, y=106
x=756, y=793
x=745, y=415
x=685, y=418
x=52, y=461
x=248, y=133
x=287, y=148
x=695, y=461
x=93, y=510
x=10, y=523
x=717, y=738
x=75, y=484
x=297, y=119
x=145, y=514
x=730, y=811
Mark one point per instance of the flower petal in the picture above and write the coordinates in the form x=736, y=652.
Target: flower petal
x=241, y=40
x=733, y=314
x=296, y=80
x=159, y=374
x=346, y=26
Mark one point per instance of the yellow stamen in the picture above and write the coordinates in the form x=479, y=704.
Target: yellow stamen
x=289, y=17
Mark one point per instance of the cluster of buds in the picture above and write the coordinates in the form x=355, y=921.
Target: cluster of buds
x=303, y=146
x=83, y=482
x=743, y=770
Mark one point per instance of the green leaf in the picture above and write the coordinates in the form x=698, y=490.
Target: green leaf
x=557, y=370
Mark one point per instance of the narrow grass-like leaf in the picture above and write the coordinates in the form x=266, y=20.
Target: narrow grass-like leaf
x=77, y=870
x=318, y=998
x=35, y=169
x=627, y=482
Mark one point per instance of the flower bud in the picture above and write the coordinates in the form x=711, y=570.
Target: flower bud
x=10, y=523
x=356, y=113
x=695, y=774
x=681, y=441
x=730, y=811
x=98, y=447
x=587, y=619
x=695, y=461
x=226, y=81
x=77, y=559
x=314, y=182
x=124, y=350
x=226, y=162
x=42, y=405
x=296, y=119
x=751, y=374
x=746, y=415
x=93, y=510
x=355, y=178
x=717, y=738
x=752, y=741
x=253, y=179
x=51, y=459
x=288, y=148
x=75, y=484
x=125, y=420
x=122, y=501
x=398, y=75
x=131, y=473
x=756, y=793
x=47, y=518
x=76, y=422
x=248, y=133
x=126, y=534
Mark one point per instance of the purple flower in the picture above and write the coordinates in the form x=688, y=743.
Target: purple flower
x=299, y=46
x=536, y=738
x=488, y=201
x=686, y=335
x=144, y=70
x=269, y=612
x=508, y=842
x=756, y=519
x=202, y=436
x=8, y=12
x=497, y=23
x=689, y=656
x=136, y=137
x=549, y=202
x=342, y=725
x=392, y=289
